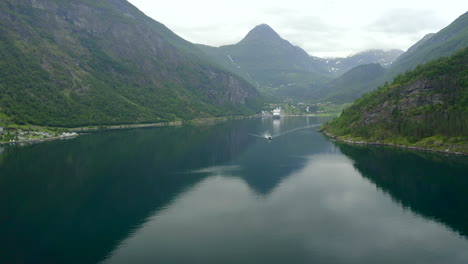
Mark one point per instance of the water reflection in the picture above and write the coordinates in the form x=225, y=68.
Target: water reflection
x=276, y=126
x=72, y=201
x=323, y=213
x=433, y=185
x=217, y=194
x=265, y=164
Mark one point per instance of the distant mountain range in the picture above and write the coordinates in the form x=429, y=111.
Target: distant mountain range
x=281, y=70
x=77, y=63
x=278, y=68
x=382, y=57
x=361, y=80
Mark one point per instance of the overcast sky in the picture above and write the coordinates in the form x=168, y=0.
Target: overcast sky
x=324, y=28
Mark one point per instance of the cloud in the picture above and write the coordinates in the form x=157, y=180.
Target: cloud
x=223, y=33
x=322, y=28
x=403, y=21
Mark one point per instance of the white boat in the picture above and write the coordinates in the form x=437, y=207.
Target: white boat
x=277, y=113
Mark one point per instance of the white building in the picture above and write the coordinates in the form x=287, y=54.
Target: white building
x=1, y=129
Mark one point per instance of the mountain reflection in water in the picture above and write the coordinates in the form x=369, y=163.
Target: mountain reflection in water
x=432, y=185
x=217, y=194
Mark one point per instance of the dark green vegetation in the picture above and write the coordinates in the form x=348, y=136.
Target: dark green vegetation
x=77, y=63
x=426, y=107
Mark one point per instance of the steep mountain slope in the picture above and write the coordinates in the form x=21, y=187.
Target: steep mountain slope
x=350, y=85
x=73, y=63
x=271, y=63
x=382, y=57
x=263, y=50
x=446, y=42
x=279, y=68
x=426, y=107
x=415, y=47
x=226, y=62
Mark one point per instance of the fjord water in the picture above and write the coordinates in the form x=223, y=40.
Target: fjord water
x=225, y=194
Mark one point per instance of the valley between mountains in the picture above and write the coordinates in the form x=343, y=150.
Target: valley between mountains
x=67, y=64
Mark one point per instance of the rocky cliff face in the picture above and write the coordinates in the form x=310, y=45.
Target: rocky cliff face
x=236, y=92
x=410, y=100
x=97, y=54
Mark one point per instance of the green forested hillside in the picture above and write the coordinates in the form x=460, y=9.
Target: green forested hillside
x=76, y=63
x=426, y=107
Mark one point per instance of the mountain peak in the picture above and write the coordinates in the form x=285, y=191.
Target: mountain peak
x=261, y=32
x=263, y=27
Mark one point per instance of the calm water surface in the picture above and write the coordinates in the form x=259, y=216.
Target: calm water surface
x=225, y=194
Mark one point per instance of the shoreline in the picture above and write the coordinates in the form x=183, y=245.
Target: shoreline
x=38, y=140
x=126, y=126
x=207, y=120
x=392, y=145
x=81, y=130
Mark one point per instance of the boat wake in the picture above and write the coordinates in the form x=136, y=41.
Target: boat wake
x=264, y=135
x=269, y=136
